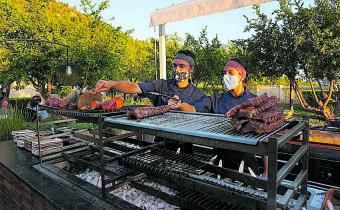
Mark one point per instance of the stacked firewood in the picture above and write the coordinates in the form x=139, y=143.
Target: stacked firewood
x=260, y=115
x=23, y=137
x=47, y=146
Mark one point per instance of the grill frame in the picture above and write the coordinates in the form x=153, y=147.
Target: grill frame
x=268, y=147
x=232, y=142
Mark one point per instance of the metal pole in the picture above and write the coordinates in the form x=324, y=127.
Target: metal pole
x=38, y=131
x=290, y=94
x=305, y=158
x=156, y=69
x=162, y=52
x=102, y=164
x=272, y=173
x=66, y=57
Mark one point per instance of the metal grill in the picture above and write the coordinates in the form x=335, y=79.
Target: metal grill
x=212, y=126
x=168, y=162
x=203, y=201
x=86, y=115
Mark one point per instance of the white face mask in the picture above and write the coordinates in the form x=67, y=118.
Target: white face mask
x=230, y=82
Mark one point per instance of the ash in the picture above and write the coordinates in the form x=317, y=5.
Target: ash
x=158, y=187
x=141, y=199
x=91, y=176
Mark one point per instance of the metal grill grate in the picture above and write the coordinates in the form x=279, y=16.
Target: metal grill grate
x=195, y=124
x=204, y=201
x=165, y=161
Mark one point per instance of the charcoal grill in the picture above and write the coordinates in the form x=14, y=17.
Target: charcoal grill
x=86, y=115
x=216, y=131
x=93, y=116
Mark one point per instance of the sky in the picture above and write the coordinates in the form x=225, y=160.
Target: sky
x=135, y=14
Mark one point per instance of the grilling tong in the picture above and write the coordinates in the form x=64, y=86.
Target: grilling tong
x=159, y=94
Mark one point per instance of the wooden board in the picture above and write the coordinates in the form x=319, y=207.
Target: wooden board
x=324, y=137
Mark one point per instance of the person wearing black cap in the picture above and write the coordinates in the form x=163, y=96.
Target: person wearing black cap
x=179, y=86
x=32, y=106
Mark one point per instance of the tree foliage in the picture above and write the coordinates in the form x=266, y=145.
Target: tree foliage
x=298, y=41
x=97, y=49
x=210, y=58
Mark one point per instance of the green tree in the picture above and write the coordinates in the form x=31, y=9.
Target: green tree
x=298, y=40
x=210, y=57
x=97, y=50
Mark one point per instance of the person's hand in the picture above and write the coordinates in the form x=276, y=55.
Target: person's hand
x=102, y=86
x=175, y=103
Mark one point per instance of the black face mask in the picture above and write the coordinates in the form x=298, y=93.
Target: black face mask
x=181, y=76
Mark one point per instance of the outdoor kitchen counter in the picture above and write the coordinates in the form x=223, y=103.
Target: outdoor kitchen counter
x=19, y=179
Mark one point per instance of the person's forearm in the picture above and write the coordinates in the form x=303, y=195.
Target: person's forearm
x=125, y=87
x=185, y=107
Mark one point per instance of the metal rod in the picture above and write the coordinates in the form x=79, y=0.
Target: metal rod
x=134, y=152
x=102, y=164
x=291, y=133
x=67, y=59
x=272, y=173
x=305, y=160
x=38, y=132
x=260, y=148
x=284, y=171
x=120, y=137
x=284, y=200
x=290, y=95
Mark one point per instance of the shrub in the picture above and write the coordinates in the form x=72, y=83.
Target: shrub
x=19, y=103
x=62, y=91
x=11, y=120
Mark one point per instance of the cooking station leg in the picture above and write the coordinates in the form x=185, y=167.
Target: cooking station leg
x=305, y=141
x=102, y=164
x=272, y=173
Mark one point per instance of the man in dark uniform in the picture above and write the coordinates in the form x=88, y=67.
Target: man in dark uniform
x=235, y=78
x=180, y=86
